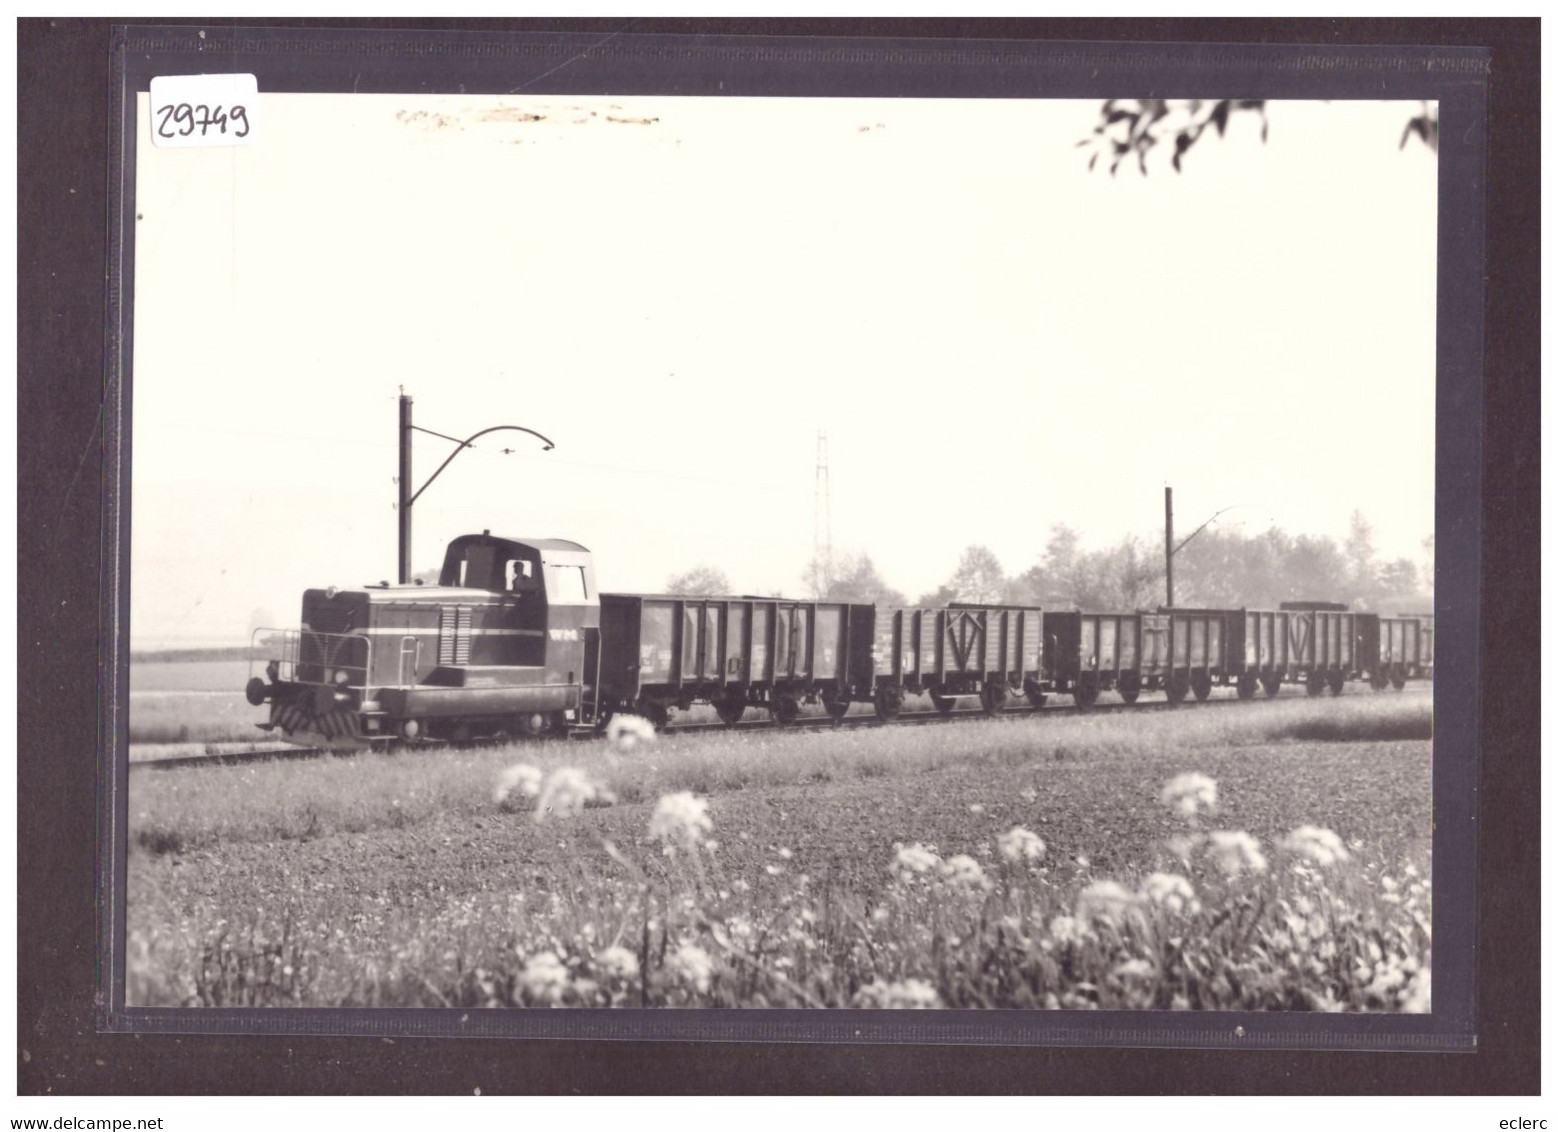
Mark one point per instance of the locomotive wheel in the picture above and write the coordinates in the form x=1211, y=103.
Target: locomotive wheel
x=558, y=726
x=1273, y=685
x=1178, y=688
x=730, y=710
x=1398, y=679
x=1337, y=682
x=1379, y=681
x=1084, y=694
x=888, y=703
x=1034, y=693
x=1201, y=684
x=992, y=698
x=1129, y=688
x=1246, y=686
x=942, y=703
x=786, y=710
x=659, y=715
x=1315, y=684
x=837, y=707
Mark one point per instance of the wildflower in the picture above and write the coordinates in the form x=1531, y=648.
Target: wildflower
x=545, y=977
x=1321, y=846
x=964, y=872
x=914, y=860
x=1028, y=794
x=1019, y=845
x=680, y=819
x=522, y=778
x=1190, y=794
x=618, y=962
x=1135, y=969
x=692, y=964
x=1235, y=852
x=910, y=994
x=566, y=792
x=1103, y=900
x=1170, y=891
x=624, y=732
x=976, y=808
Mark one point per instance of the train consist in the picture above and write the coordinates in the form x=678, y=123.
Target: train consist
x=515, y=640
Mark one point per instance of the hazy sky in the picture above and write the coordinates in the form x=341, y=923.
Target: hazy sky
x=682, y=292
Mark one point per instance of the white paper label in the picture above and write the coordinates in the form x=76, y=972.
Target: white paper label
x=204, y=110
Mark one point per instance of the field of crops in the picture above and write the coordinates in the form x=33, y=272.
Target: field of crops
x=1263, y=855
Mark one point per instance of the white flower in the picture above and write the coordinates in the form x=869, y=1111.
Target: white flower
x=1170, y=891
x=910, y=994
x=681, y=819
x=1321, y=846
x=963, y=871
x=914, y=860
x=691, y=964
x=545, y=977
x=624, y=732
x=566, y=791
x=1190, y=794
x=1235, y=852
x=618, y=962
x=521, y=778
x=1135, y=969
x=1028, y=794
x=1066, y=929
x=1103, y=900
x=1019, y=845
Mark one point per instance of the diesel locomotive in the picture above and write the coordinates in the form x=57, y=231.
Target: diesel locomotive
x=515, y=640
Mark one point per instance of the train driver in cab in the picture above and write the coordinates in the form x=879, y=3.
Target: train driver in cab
x=522, y=580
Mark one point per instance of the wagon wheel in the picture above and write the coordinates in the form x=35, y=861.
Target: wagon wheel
x=1273, y=685
x=992, y=697
x=1315, y=684
x=836, y=705
x=942, y=703
x=1084, y=693
x=1129, y=687
x=731, y=709
x=1247, y=685
x=1201, y=684
x=1178, y=688
x=1034, y=692
x=888, y=703
x=786, y=709
x=1337, y=682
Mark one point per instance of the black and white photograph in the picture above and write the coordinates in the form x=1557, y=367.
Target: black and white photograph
x=805, y=553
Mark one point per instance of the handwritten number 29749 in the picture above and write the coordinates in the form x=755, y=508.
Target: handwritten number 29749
x=180, y=119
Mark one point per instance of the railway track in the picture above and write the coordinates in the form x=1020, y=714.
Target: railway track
x=805, y=723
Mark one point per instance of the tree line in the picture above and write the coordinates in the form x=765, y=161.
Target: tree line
x=1215, y=569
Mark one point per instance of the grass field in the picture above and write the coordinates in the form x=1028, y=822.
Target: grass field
x=191, y=702
x=1015, y=862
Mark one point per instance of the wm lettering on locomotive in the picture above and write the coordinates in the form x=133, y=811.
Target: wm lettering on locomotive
x=963, y=635
x=1300, y=625
x=564, y=634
